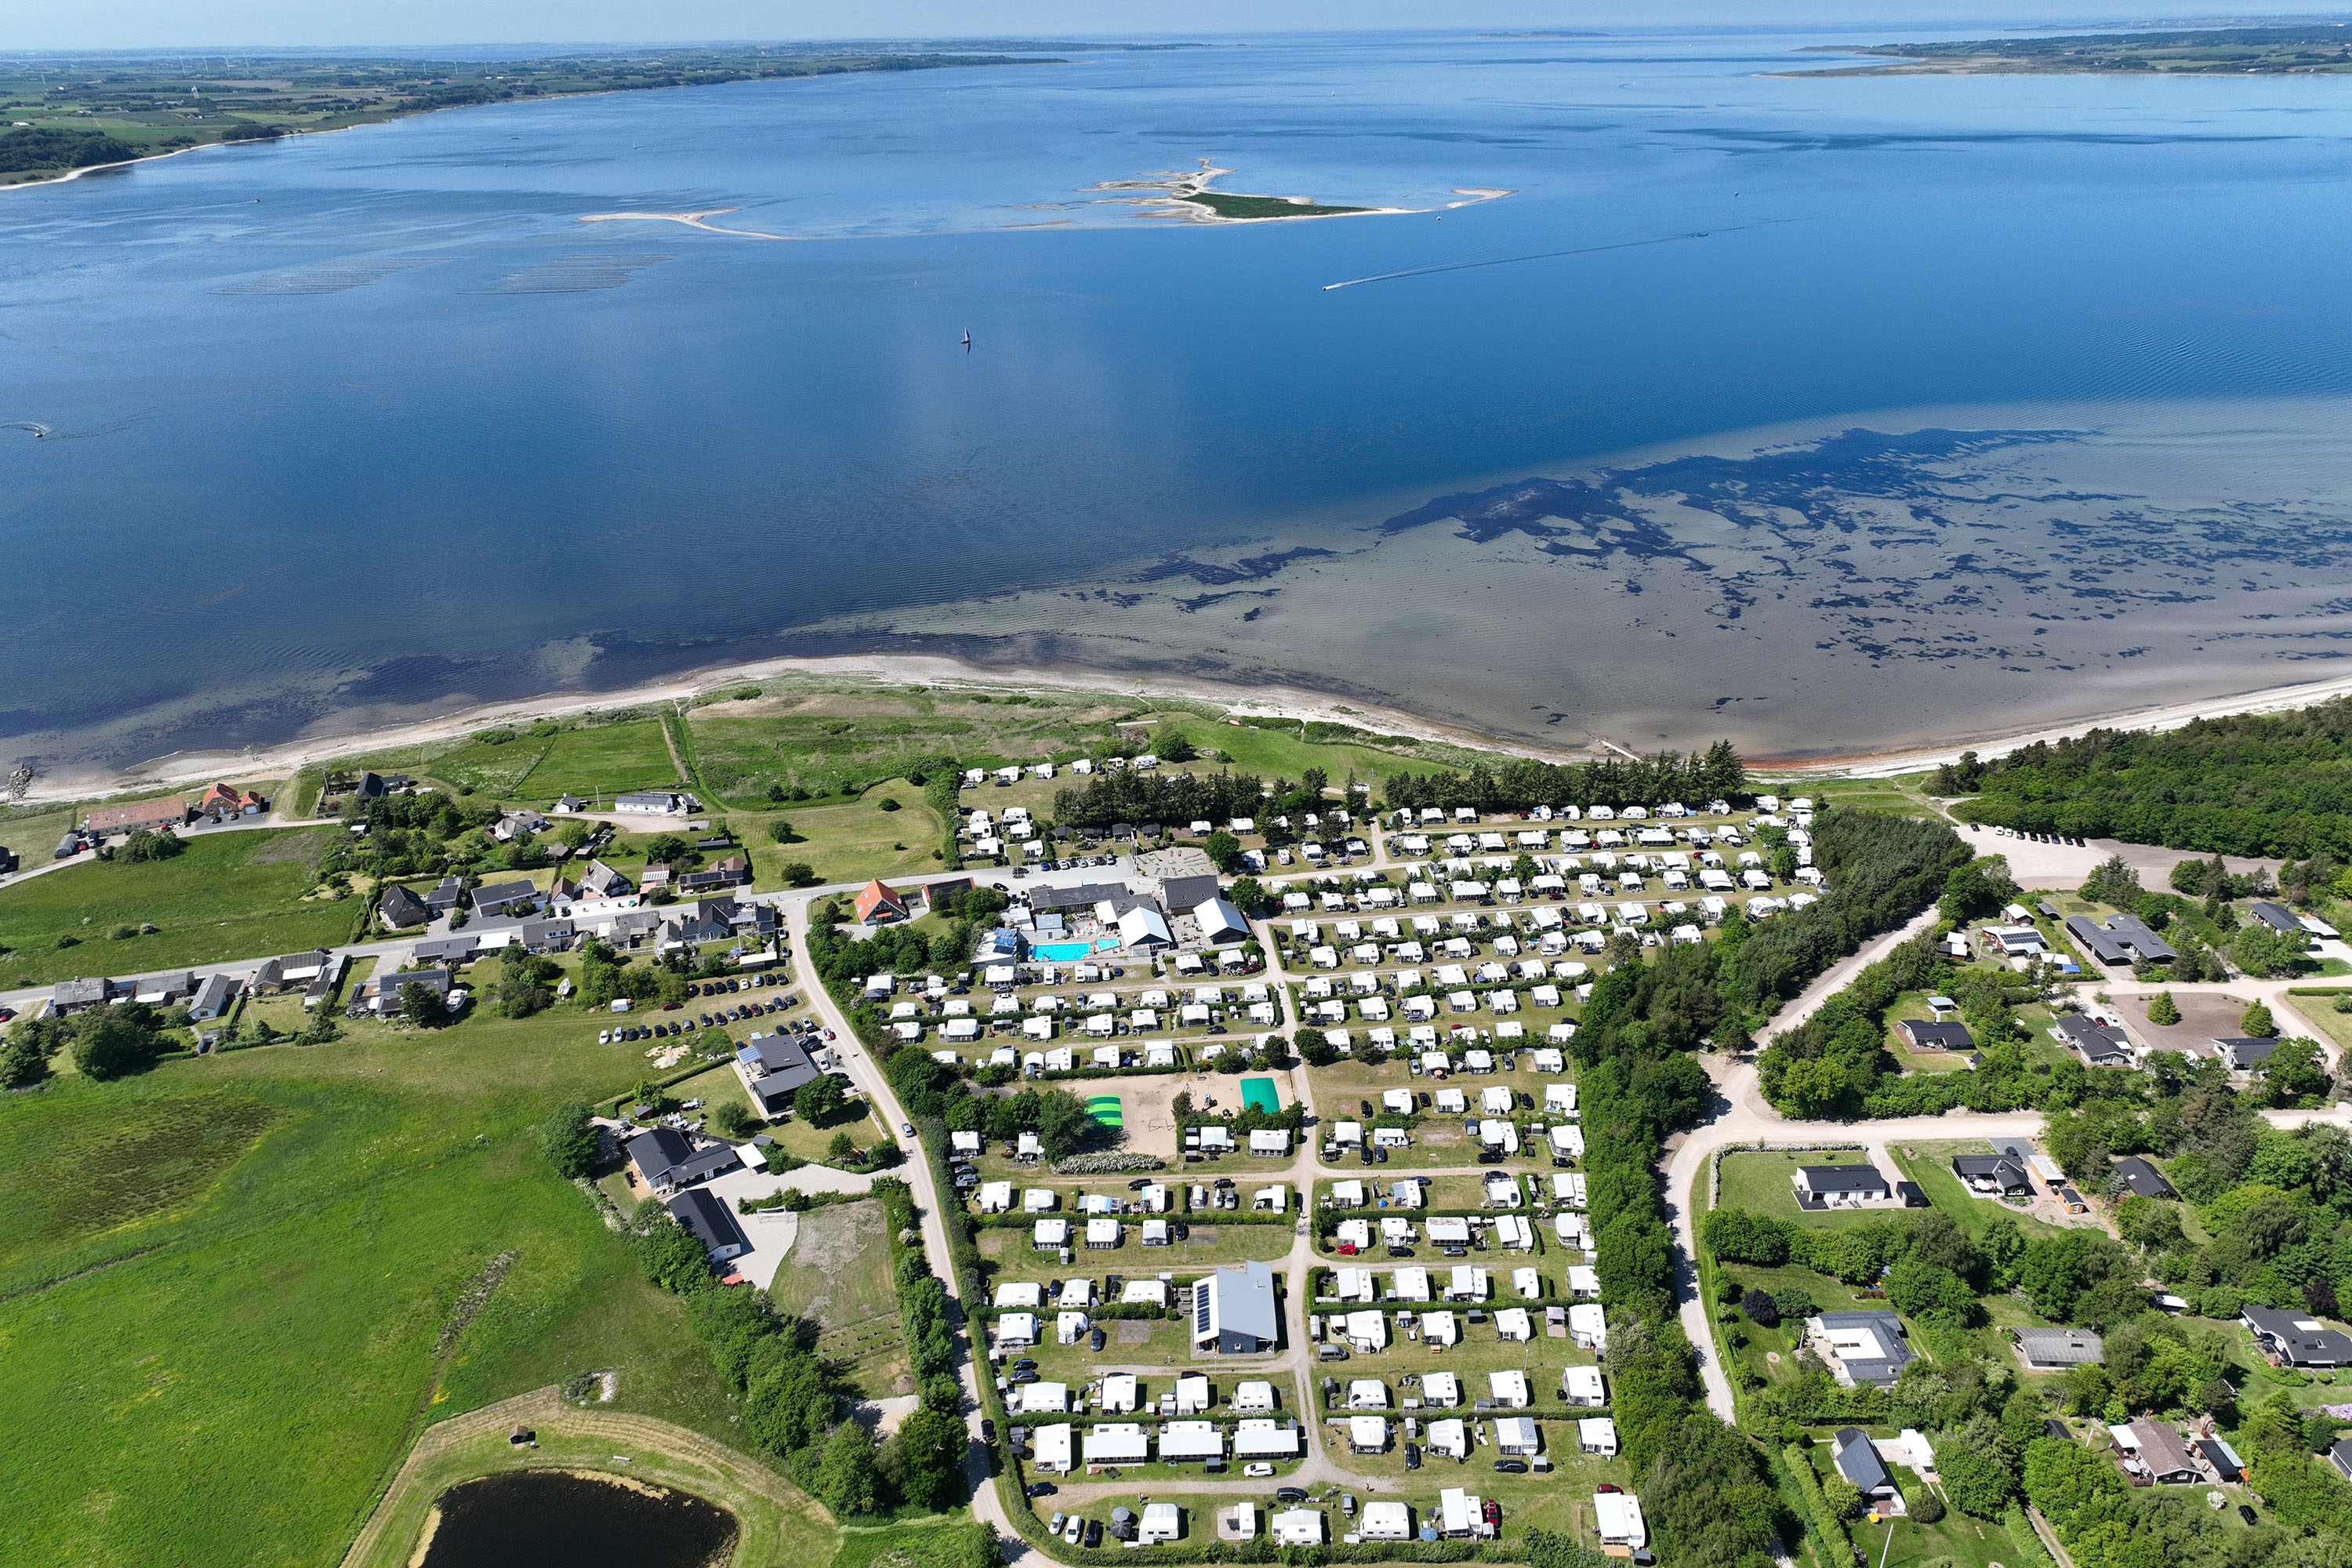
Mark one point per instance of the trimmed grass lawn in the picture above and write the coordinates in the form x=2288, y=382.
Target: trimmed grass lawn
x=1759, y=1181
x=257, y=1254
x=33, y=830
x=1014, y=1256
x=228, y=896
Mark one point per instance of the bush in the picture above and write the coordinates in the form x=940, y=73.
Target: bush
x=800, y=874
x=2257, y=1021
x=569, y=1141
x=1761, y=1309
x=2162, y=1009
x=1925, y=1507
x=888, y=804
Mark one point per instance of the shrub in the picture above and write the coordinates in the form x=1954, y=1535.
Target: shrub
x=2162, y=1009
x=1925, y=1507
x=1761, y=1309
x=2257, y=1021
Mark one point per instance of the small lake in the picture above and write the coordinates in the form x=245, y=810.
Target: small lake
x=553, y=1519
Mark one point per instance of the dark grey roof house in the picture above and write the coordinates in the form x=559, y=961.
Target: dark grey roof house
x=1924, y=1036
x=1862, y=1347
x=1823, y=1186
x=444, y=895
x=2244, y=1053
x=73, y=995
x=1084, y=896
x=2297, y=1339
x=708, y=1220
x=1993, y=1174
x=2340, y=1455
x=214, y=997
x=2101, y=1045
x=2143, y=1178
x=1858, y=1462
x=448, y=950
x=665, y=1160
x=506, y=899
x=773, y=1069
x=2278, y=917
x=402, y=909
x=1179, y=894
x=2122, y=940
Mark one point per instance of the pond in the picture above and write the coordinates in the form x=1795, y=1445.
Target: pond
x=559, y=1518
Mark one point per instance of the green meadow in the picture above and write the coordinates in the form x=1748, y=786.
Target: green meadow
x=229, y=1288
x=229, y=896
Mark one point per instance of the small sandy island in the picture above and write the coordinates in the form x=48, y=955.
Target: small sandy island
x=1189, y=197
x=692, y=220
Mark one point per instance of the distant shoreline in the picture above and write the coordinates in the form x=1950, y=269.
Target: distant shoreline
x=180, y=769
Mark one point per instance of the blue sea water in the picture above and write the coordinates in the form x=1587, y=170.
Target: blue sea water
x=372, y=423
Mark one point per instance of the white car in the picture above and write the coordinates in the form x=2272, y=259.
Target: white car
x=1071, y=1530
x=1257, y=1471
x=603, y=1036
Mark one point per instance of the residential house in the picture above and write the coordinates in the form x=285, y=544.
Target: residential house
x=381, y=993
x=2162, y=1453
x=72, y=996
x=2123, y=939
x=708, y=1220
x=214, y=997
x=2056, y=1350
x=517, y=898
x=2143, y=1179
x=2296, y=1338
x=1995, y=1176
x=773, y=1069
x=652, y=803
x=664, y=1160
x=2245, y=1054
x=1859, y=1462
x=1234, y=1310
x=399, y=908
x=1925, y=1036
x=2101, y=1044
x=1860, y=1347
x=146, y=816
x=1840, y=1187
x=879, y=905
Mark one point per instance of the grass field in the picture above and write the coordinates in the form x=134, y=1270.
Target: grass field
x=259, y=1253
x=229, y=896
x=838, y=1275
x=1759, y=1181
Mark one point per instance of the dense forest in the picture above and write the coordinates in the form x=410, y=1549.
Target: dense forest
x=2261, y=783
x=43, y=147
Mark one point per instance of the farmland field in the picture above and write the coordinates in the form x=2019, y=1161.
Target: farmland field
x=228, y=896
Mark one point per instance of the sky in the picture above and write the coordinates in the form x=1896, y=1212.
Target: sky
x=142, y=24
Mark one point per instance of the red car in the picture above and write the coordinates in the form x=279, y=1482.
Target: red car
x=1494, y=1513
x=1609, y=1487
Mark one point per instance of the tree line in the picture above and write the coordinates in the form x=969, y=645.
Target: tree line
x=1522, y=784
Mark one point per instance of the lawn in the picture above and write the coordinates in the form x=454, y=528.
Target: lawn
x=1016, y=1257
x=33, y=830
x=849, y=840
x=1758, y=1182
x=269, y=1245
x=597, y=753
x=228, y=896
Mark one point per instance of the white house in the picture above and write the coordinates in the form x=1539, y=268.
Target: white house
x=1298, y=1527
x=1597, y=1435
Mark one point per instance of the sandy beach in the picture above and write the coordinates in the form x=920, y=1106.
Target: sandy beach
x=181, y=769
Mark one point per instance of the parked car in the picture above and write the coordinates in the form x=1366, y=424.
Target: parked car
x=1493, y=1512
x=1257, y=1469
x=987, y=1430
x=1364, y=1109
x=1094, y=1532
x=1412, y=1455
x=1290, y=1494
x=1054, y=1525
x=1074, y=1531
x=1041, y=1489
x=1609, y=1487
x=2249, y=1515
x=1512, y=1467
x=1025, y=1364
x=1096, y=1341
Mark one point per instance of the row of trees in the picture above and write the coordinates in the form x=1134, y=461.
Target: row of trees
x=1524, y=783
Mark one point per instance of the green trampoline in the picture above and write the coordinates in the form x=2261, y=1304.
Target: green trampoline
x=1104, y=1108
x=1257, y=1094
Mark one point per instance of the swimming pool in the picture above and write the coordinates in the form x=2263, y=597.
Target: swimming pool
x=1069, y=951
x=1257, y=1094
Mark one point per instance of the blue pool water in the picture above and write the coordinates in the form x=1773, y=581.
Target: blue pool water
x=1069, y=951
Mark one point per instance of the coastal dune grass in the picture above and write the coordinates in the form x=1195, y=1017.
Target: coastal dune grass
x=229, y=896
x=223, y=1352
